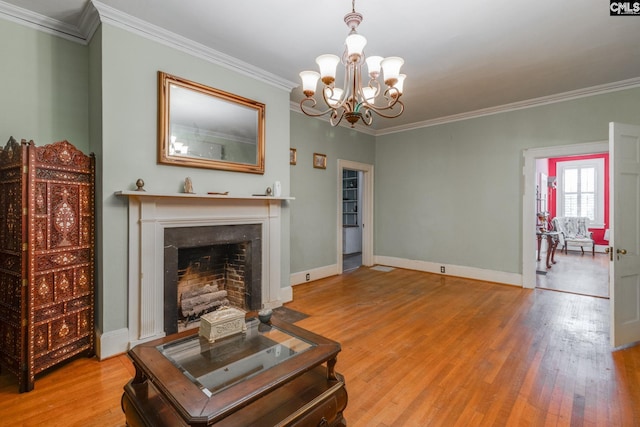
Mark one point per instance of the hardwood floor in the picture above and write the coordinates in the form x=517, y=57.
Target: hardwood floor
x=576, y=273
x=82, y=392
x=418, y=349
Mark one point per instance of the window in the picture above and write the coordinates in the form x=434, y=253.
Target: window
x=581, y=190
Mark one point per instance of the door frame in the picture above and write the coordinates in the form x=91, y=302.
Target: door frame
x=528, y=198
x=367, y=211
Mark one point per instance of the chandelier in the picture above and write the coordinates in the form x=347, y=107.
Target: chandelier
x=354, y=101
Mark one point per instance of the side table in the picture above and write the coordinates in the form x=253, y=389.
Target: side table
x=553, y=238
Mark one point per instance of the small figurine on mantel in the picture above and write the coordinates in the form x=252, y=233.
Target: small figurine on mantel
x=188, y=186
x=140, y=185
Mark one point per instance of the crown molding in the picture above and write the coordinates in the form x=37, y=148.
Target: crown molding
x=42, y=23
x=520, y=105
x=96, y=12
x=144, y=29
x=89, y=21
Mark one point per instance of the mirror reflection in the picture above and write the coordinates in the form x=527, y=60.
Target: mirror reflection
x=205, y=127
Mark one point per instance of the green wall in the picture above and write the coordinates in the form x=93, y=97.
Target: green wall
x=43, y=82
x=130, y=64
x=103, y=98
x=447, y=194
x=452, y=193
x=314, y=221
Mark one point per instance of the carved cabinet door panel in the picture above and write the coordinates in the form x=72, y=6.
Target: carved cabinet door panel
x=61, y=208
x=46, y=256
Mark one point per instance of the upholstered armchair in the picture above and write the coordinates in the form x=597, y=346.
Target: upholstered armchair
x=574, y=231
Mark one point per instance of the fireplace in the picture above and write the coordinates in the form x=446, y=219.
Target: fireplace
x=208, y=267
x=153, y=214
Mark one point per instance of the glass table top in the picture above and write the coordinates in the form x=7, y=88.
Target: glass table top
x=216, y=366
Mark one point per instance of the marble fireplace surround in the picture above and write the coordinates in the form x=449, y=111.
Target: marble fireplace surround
x=151, y=213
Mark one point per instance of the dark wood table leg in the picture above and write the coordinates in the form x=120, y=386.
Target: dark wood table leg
x=539, y=244
x=552, y=244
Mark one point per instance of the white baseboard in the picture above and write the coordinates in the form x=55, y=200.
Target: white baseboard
x=514, y=279
x=112, y=343
x=314, y=274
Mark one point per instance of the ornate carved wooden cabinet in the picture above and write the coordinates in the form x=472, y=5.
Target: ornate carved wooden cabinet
x=46, y=256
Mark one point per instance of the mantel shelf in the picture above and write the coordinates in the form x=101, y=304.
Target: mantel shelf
x=142, y=194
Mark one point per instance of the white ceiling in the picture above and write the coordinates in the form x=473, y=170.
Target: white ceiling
x=460, y=56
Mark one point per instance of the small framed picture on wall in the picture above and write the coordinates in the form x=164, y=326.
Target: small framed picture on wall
x=293, y=156
x=319, y=161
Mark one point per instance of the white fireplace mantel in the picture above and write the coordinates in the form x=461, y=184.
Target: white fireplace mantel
x=144, y=194
x=151, y=213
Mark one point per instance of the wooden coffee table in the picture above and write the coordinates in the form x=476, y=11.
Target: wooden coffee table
x=273, y=375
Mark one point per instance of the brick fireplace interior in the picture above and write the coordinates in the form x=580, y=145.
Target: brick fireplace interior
x=208, y=267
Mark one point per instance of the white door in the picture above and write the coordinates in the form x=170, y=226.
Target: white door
x=624, y=271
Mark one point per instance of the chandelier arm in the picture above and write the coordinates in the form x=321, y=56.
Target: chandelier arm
x=334, y=115
x=381, y=111
x=348, y=91
x=313, y=103
x=392, y=95
x=367, y=118
x=335, y=105
x=356, y=87
x=375, y=84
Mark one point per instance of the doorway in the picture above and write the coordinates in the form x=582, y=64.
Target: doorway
x=573, y=186
x=355, y=215
x=351, y=219
x=530, y=265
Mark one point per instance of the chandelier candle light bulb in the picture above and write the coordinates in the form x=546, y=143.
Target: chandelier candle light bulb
x=356, y=100
x=333, y=96
x=373, y=65
x=355, y=47
x=399, y=85
x=309, y=82
x=327, y=64
x=391, y=69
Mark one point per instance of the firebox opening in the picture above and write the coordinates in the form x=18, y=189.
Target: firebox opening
x=210, y=267
x=209, y=278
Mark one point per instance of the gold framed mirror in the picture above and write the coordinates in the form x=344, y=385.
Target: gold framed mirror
x=203, y=127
